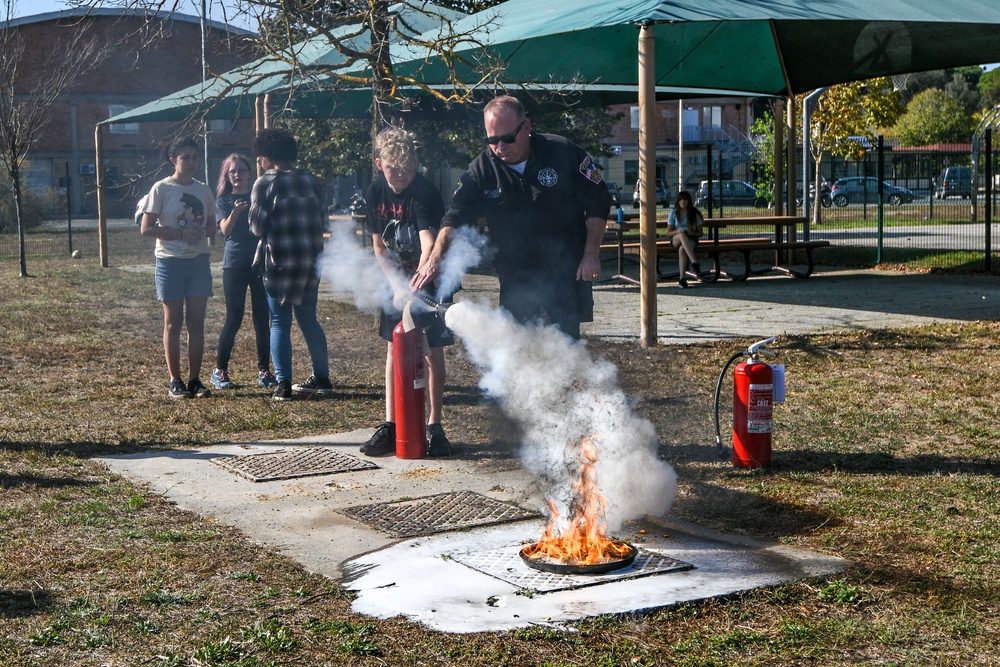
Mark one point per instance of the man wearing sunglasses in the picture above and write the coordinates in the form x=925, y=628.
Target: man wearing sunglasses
x=546, y=208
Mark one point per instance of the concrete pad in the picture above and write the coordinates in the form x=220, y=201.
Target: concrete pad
x=299, y=517
x=424, y=578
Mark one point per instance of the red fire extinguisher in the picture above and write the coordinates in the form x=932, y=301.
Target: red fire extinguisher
x=752, y=409
x=408, y=385
x=753, y=402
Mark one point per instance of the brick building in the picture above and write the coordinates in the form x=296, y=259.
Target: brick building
x=718, y=126
x=147, y=57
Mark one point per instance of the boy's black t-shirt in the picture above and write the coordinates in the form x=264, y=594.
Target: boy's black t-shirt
x=399, y=218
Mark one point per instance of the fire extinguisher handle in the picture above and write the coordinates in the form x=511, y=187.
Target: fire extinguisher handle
x=759, y=347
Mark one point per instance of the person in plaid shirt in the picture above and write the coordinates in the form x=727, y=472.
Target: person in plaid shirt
x=287, y=213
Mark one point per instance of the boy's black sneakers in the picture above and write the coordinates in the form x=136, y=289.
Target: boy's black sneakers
x=382, y=442
x=437, y=441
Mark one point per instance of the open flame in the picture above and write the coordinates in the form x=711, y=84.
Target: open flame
x=583, y=541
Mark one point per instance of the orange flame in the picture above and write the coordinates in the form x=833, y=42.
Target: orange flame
x=584, y=541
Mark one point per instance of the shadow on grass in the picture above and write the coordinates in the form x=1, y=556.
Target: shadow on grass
x=880, y=463
x=14, y=481
x=19, y=603
x=862, y=463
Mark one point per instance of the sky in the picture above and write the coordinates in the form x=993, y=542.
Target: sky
x=217, y=9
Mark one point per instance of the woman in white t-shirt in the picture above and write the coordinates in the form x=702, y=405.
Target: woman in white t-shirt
x=180, y=215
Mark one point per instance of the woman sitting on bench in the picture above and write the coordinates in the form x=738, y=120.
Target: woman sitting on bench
x=684, y=229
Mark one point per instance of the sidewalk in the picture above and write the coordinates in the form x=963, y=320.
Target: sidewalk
x=765, y=306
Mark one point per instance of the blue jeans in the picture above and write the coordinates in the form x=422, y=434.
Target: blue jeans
x=281, y=335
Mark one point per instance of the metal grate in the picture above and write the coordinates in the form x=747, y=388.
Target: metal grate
x=299, y=462
x=437, y=514
x=506, y=565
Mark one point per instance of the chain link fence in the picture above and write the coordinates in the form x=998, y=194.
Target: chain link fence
x=926, y=229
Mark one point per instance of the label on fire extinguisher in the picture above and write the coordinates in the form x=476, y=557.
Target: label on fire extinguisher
x=759, y=409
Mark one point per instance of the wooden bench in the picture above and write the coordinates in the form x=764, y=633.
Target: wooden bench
x=746, y=247
x=713, y=247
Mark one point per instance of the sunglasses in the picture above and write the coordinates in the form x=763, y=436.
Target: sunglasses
x=506, y=138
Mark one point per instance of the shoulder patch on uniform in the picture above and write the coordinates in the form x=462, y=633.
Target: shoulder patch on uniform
x=590, y=170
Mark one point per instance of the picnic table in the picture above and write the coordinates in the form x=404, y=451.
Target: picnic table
x=782, y=238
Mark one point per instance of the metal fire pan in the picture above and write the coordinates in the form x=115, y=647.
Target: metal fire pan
x=549, y=565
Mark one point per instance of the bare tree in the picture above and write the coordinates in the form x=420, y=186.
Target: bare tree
x=26, y=100
x=356, y=36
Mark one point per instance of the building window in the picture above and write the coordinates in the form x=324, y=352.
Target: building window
x=633, y=114
x=121, y=128
x=222, y=125
x=712, y=116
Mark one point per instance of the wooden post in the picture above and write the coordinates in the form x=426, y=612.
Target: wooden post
x=102, y=213
x=258, y=123
x=647, y=179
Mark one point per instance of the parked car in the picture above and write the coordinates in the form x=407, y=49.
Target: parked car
x=954, y=182
x=729, y=193
x=616, y=194
x=858, y=189
x=662, y=195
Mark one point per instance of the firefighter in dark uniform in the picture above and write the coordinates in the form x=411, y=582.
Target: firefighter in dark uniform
x=546, y=208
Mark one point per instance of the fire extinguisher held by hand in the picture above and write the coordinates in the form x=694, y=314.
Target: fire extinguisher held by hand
x=409, y=383
x=754, y=393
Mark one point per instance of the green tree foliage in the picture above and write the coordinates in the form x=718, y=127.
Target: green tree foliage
x=343, y=146
x=933, y=117
x=762, y=132
x=942, y=79
x=847, y=118
x=989, y=87
x=962, y=89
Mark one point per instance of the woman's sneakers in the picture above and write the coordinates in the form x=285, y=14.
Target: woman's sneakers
x=178, y=389
x=193, y=389
x=282, y=391
x=220, y=379
x=266, y=379
x=197, y=389
x=314, y=386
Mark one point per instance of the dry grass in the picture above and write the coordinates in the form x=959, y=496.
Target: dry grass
x=885, y=455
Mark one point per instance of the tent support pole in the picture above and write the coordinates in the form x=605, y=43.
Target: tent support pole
x=791, y=168
x=102, y=212
x=779, y=157
x=647, y=178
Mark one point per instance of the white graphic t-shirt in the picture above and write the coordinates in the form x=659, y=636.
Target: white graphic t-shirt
x=180, y=207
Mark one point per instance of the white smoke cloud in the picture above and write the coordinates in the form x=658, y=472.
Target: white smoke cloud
x=557, y=392
x=351, y=270
x=466, y=248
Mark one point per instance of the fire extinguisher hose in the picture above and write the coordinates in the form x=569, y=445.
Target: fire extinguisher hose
x=719, y=449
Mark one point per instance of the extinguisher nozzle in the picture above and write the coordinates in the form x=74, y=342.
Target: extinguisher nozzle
x=439, y=309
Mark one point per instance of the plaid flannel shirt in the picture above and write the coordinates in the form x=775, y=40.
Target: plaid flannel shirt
x=286, y=210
